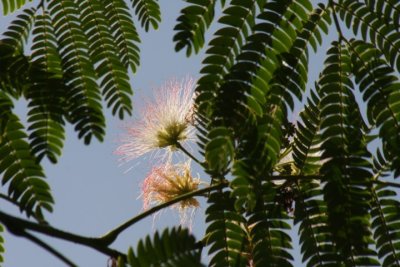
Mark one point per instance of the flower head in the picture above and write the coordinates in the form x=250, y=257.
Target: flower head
x=165, y=123
x=168, y=181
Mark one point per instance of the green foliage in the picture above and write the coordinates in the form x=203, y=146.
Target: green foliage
x=385, y=214
x=317, y=246
x=192, y=25
x=174, y=247
x=83, y=94
x=124, y=33
x=347, y=171
x=148, y=12
x=19, y=168
x=12, y=5
x=18, y=31
x=268, y=224
x=307, y=138
x=110, y=70
x=46, y=94
x=380, y=88
x=226, y=233
x=385, y=36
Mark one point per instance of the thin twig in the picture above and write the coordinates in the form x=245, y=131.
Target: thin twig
x=9, y=199
x=336, y=20
x=320, y=177
x=178, y=145
x=113, y=234
x=47, y=247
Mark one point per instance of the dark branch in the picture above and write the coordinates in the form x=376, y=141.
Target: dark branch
x=17, y=226
x=47, y=247
x=113, y=234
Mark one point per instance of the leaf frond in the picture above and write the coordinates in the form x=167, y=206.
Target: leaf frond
x=22, y=174
x=114, y=80
x=18, y=31
x=380, y=88
x=175, y=247
x=83, y=98
x=346, y=170
x=192, y=25
x=268, y=224
x=9, y=6
x=226, y=232
x=124, y=32
x=148, y=12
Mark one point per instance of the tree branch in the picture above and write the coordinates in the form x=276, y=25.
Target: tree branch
x=47, y=247
x=17, y=226
x=184, y=150
x=113, y=234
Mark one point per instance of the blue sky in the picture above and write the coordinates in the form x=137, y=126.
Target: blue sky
x=93, y=193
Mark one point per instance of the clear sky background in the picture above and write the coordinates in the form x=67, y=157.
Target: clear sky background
x=93, y=193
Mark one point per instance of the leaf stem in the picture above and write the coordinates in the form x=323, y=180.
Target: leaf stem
x=47, y=247
x=336, y=20
x=320, y=177
x=184, y=150
x=9, y=199
x=113, y=234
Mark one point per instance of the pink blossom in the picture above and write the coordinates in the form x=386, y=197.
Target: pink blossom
x=167, y=182
x=165, y=123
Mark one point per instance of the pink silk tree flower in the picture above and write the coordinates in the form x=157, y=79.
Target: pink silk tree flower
x=166, y=123
x=168, y=181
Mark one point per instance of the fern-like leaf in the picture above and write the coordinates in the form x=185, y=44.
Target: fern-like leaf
x=291, y=76
x=46, y=93
x=317, y=245
x=192, y=25
x=317, y=242
x=18, y=31
x=346, y=170
x=219, y=150
x=124, y=32
x=383, y=35
x=381, y=90
x=389, y=10
x=269, y=238
x=176, y=247
x=385, y=216
x=307, y=138
x=237, y=23
x=110, y=70
x=385, y=222
x=25, y=178
x=263, y=106
x=10, y=6
x=83, y=99
x=148, y=12
x=226, y=232
x=14, y=70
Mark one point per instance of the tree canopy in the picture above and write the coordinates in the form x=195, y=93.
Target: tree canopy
x=331, y=171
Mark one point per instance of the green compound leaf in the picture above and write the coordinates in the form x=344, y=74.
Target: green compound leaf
x=175, y=247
